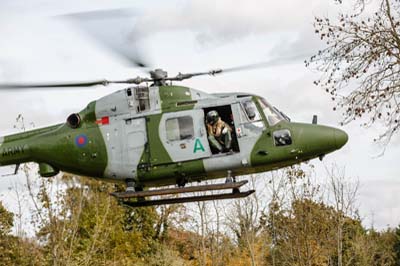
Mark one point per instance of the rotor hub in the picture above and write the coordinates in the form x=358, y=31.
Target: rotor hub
x=158, y=74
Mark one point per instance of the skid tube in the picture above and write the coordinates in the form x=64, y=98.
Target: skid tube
x=142, y=202
x=145, y=203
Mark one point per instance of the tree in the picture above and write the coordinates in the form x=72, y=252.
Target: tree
x=84, y=225
x=6, y=221
x=396, y=246
x=16, y=250
x=309, y=229
x=304, y=233
x=245, y=223
x=361, y=65
x=344, y=194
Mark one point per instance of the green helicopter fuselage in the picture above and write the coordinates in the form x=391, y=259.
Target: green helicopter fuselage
x=158, y=136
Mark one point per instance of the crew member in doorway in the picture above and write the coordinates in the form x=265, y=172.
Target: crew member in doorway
x=219, y=132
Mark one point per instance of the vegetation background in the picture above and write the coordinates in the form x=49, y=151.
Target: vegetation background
x=291, y=220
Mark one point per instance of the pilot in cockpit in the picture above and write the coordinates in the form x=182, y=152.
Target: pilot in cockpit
x=219, y=132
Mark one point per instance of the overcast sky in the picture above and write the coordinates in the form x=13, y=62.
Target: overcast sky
x=39, y=45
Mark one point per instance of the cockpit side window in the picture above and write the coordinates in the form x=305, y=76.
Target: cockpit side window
x=273, y=117
x=252, y=113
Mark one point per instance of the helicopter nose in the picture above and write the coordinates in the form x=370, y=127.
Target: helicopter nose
x=317, y=140
x=341, y=138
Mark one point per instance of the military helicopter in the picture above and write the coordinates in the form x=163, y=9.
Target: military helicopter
x=154, y=133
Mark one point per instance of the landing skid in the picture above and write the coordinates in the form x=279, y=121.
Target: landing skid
x=188, y=199
x=141, y=201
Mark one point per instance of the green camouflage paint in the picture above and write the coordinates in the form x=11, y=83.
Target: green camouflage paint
x=158, y=154
x=309, y=141
x=171, y=96
x=57, y=147
x=171, y=173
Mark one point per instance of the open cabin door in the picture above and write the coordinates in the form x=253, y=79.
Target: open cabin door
x=183, y=136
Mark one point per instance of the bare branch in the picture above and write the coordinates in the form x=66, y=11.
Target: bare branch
x=361, y=66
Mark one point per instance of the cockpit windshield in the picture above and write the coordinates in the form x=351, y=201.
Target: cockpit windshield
x=273, y=116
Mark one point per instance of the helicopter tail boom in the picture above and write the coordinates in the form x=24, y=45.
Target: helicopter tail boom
x=18, y=148
x=13, y=152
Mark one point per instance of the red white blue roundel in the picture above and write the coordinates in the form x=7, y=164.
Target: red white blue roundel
x=81, y=140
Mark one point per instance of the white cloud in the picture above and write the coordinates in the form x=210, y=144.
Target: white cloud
x=379, y=202
x=227, y=20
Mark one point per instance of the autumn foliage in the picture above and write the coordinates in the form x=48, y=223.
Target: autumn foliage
x=291, y=223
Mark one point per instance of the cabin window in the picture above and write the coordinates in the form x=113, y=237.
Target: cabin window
x=179, y=128
x=282, y=137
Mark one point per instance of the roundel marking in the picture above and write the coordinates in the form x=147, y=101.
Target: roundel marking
x=81, y=140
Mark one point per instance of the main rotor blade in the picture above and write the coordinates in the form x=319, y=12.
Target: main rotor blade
x=68, y=85
x=138, y=80
x=55, y=85
x=271, y=63
x=265, y=64
x=114, y=29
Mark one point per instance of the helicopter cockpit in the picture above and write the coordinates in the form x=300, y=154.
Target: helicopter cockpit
x=272, y=114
